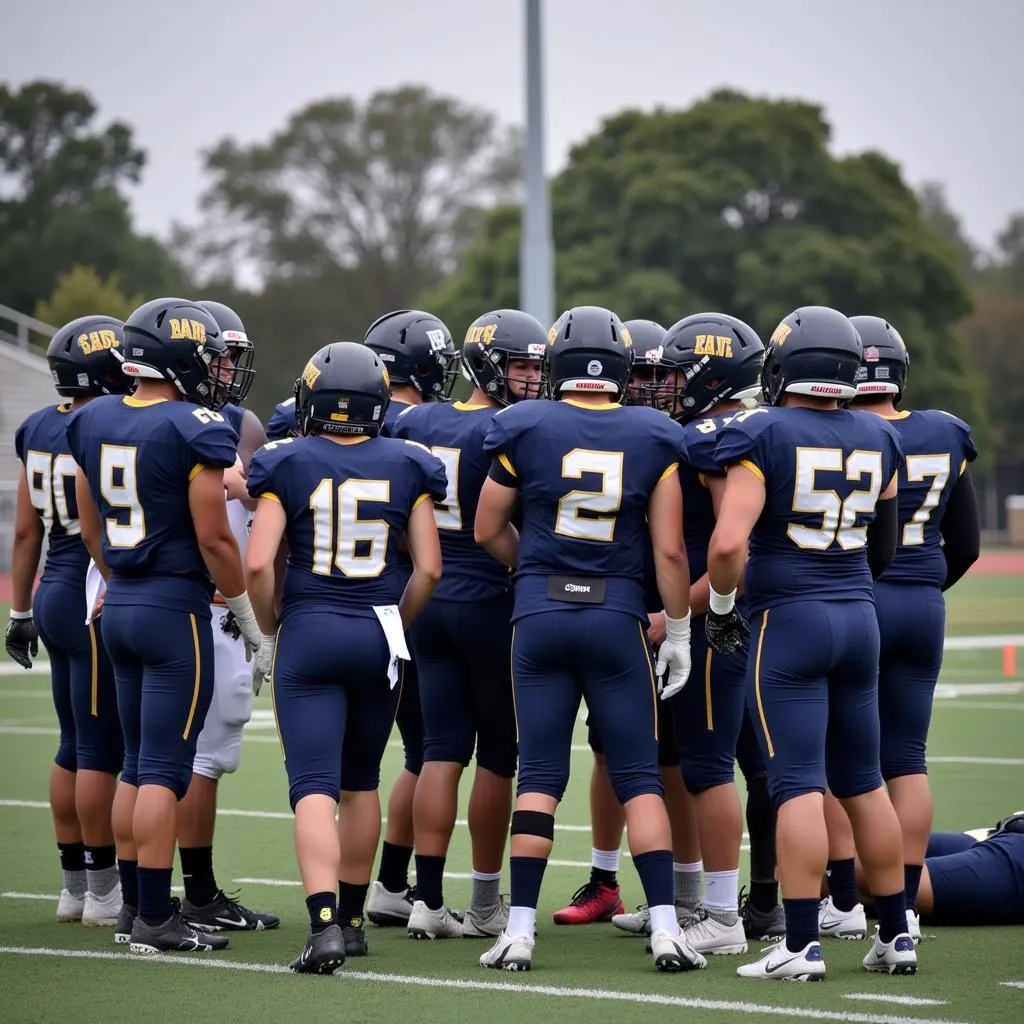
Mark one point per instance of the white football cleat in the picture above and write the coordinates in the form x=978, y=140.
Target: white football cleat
x=384, y=907
x=490, y=926
x=102, y=911
x=674, y=953
x=842, y=924
x=425, y=923
x=509, y=953
x=779, y=964
x=896, y=957
x=639, y=922
x=70, y=908
x=706, y=935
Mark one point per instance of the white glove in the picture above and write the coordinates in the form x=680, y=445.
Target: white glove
x=674, y=657
x=263, y=662
x=242, y=610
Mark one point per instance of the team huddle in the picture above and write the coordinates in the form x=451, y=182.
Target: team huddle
x=732, y=552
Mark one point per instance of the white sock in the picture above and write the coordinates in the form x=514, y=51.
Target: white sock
x=486, y=876
x=686, y=879
x=722, y=895
x=663, y=919
x=605, y=860
x=522, y=921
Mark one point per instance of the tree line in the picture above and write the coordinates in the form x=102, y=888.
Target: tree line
x=736, y=203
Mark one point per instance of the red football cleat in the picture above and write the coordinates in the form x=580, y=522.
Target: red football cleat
x=591, y=903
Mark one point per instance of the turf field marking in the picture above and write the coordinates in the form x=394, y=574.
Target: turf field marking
x=979, y=705
x=503, y=987
x=1012, y=984
x=881, y=997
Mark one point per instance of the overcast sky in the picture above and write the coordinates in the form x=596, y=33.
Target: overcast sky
x=936, y=84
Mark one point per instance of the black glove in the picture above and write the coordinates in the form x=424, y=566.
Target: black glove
x=229, y=625
x=22, y=640
x=726, y=633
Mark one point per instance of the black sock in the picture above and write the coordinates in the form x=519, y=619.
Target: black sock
x=608, y=878
x=764, y=896
x=99, y=858
x=154, y=895
x=801, y=923
x=892, y=915
x=525, y=877
x=655, y=870
x=128, y=870
x=72, y=856
x=842, y=883
x=394, y=867
x=351, y=900
x=323, y=910
x=911, y=883
x=430, y=880
x=760, y=816
x=197, y=874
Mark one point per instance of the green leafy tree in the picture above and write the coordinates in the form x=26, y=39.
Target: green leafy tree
x=60, y=198
x=81, y=292
x=737, y=204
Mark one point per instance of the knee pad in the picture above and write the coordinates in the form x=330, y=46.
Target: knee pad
x=533, y=823
x=66, y=757
x=630, y=783
x=701, y=773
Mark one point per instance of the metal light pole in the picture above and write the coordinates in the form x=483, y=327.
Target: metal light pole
x=536, y=250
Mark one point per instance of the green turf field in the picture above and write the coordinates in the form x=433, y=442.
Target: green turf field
x=68, y=974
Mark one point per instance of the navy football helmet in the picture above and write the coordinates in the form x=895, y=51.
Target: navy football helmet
x=707, y=358
x=344, y=389
x=886, y=360
x=417, y=349
x=814, y=351
x=647, y=338
x=85, y=358
x=232, y=330
x=589, y=350
x=492, y=342
x=177, y=340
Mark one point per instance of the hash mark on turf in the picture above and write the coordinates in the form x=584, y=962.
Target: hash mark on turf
x=504, y=987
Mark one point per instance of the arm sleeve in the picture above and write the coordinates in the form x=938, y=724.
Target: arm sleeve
x=883, y=534
x=961, y=530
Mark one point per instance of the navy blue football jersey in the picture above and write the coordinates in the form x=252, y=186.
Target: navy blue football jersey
x=234, y=414
x=41, y=443
x=139, y=458
x=454, y=433
x=585, y=478
x=823, y=472
x=282, y=423
x=936, y=449
x=347, y=508
x=391, y=414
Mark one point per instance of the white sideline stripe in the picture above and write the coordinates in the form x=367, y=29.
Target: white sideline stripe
x=1012, y=984
x=56, y=895
x=880, y=997
x=577, y=748
x=465, y=984
x=979, y=705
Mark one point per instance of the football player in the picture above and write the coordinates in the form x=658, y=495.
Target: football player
x=939, y=540
x=82, y=360
x=812, y=489
x=219, y=746
x=710, y=363
x=343, y=497
x=422, y=363
x=463, y=640
x=600, y=898
x=972, y=878
x=589, y=474
x=150, y=490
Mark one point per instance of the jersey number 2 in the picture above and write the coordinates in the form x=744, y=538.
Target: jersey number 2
x=590, y=515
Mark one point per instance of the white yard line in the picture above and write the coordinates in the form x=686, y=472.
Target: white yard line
x=504, y=988
x=881, y=997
